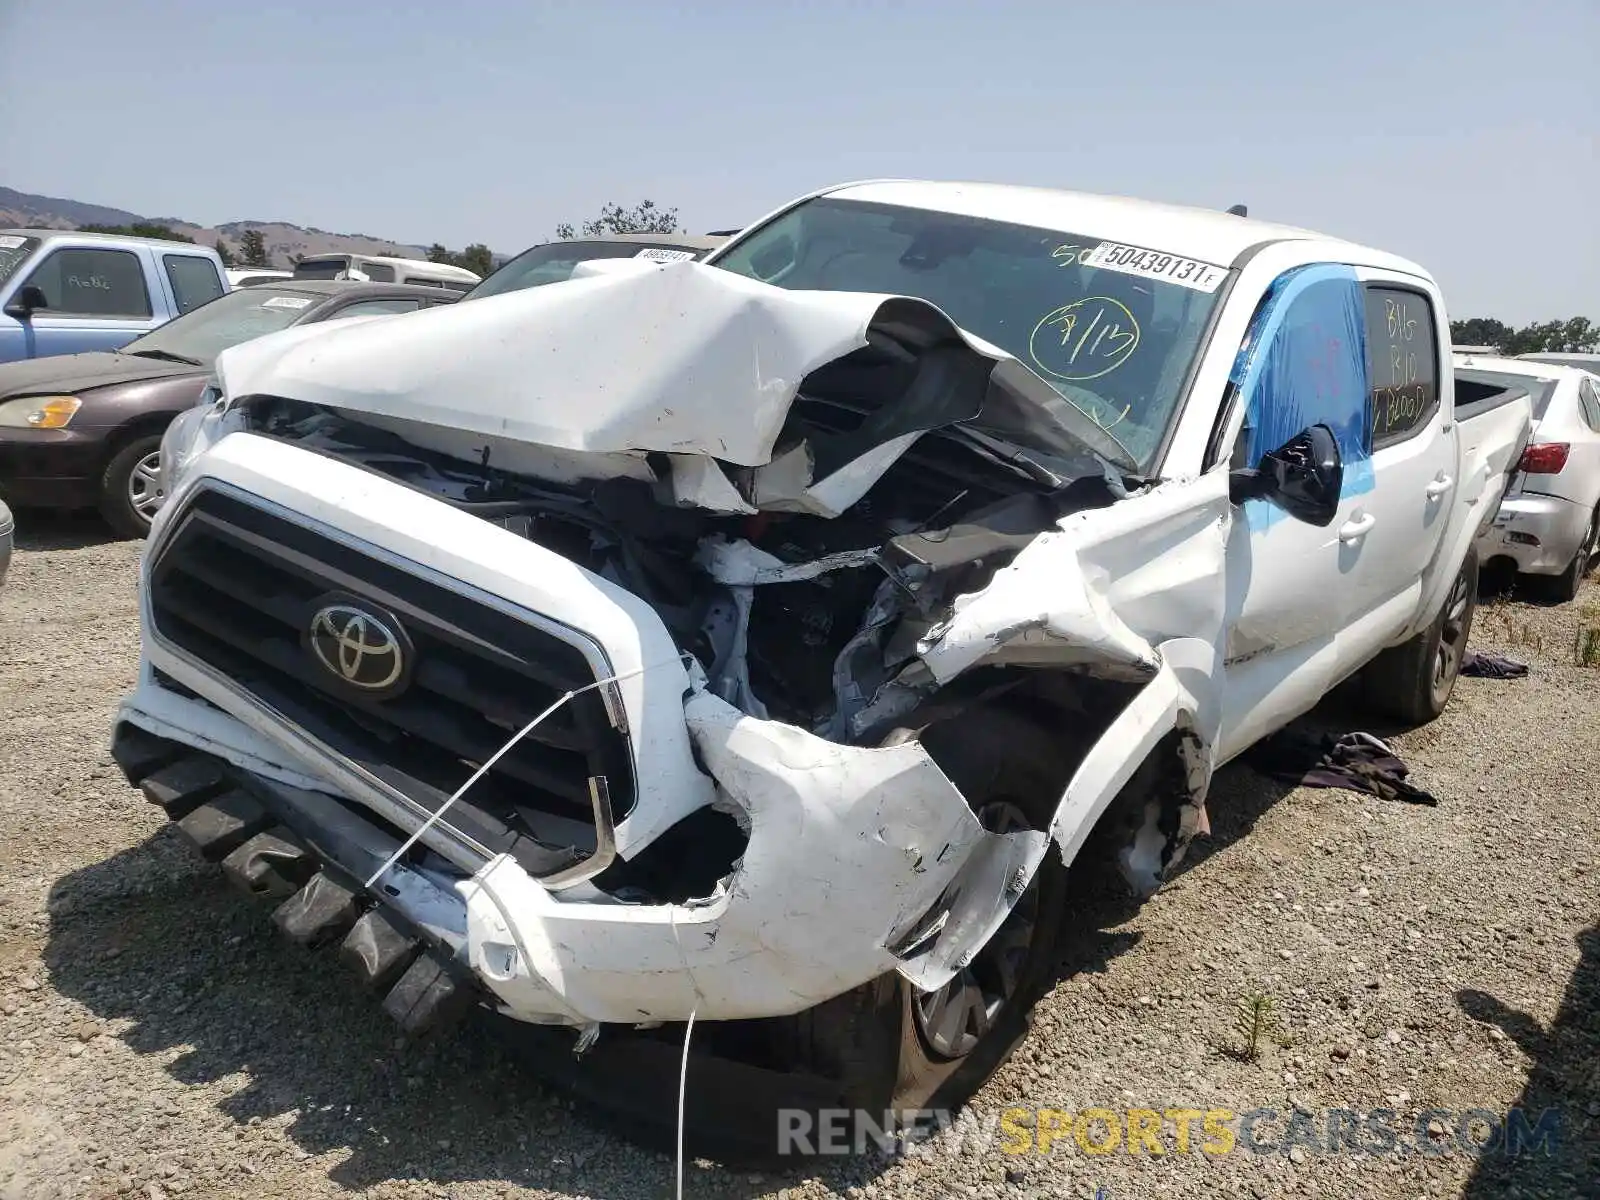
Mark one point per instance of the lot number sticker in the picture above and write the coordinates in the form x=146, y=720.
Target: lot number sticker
x=655, y=254
x=1153, y=264
x=287, y=302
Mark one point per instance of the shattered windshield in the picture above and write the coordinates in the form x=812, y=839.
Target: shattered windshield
x=1113, y=328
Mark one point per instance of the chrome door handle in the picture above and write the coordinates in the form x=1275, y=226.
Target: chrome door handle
x=1438, y=487
x=1356, y=527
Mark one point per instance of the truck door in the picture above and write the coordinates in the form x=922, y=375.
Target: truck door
x=1413, y=454
x=1289, y=582
x=96, y=298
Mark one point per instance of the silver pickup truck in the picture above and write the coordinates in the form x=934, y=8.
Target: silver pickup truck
x=765, y=637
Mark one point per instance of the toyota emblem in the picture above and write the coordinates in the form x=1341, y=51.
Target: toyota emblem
x=358, y=647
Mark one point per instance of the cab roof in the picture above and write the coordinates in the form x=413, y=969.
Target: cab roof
x=122, y=239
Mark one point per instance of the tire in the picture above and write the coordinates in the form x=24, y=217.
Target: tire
x=127, y=481
x=884, y=1042
x=1564, y=588
x=1413, y=681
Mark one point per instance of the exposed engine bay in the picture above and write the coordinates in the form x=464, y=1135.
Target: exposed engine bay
x=807, y=618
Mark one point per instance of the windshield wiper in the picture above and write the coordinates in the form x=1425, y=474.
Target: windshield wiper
x=166, y=355
x=1009, y=454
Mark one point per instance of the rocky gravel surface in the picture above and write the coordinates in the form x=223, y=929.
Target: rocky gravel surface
x=158, y=1039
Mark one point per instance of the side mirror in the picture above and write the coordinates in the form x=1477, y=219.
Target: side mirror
x=1303, y=477
x=25, y=302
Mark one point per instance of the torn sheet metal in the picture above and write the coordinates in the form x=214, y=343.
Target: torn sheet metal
x=1135, y=592
x=702, y=483
x=1041, y=607
x=1100, y=589
x=849, y=849
x=786, y=485
x=972, y=909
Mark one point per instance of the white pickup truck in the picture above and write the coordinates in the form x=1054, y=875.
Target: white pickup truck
x=765, y=637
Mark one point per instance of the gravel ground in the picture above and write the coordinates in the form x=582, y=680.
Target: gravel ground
x=157, y=1038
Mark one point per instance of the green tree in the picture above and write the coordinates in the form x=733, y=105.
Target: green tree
x=253, y=249
x=139, y=229
x=1479, y=331
x=475, y=258
x=225, y=254
x=1576, y=335
x=643, y=217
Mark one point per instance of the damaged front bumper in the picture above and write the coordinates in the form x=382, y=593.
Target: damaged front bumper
x=859, y=861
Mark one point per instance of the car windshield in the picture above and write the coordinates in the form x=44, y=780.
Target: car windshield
x=1113, y=328
x=14, y=251
x=554, y=262
x=199, y=336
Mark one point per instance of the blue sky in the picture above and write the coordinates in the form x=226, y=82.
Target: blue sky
x=1462, y=135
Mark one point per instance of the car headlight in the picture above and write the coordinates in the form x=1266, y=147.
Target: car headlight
x=39, y=412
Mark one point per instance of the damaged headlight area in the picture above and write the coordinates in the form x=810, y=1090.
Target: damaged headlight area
x=190, y=434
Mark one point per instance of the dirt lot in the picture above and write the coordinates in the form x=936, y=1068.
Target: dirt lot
x=157, y=1038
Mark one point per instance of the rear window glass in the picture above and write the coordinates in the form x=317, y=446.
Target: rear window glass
x=1402, y=362
x=378, y=272
x=321, y=268
x=14, y=251
x=194, y=280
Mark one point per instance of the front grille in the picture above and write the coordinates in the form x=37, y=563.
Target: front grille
x=236, y=587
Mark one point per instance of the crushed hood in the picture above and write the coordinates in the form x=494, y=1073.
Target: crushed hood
x=685, y=360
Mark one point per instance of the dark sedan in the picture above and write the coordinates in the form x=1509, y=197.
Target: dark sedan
x=83, y=430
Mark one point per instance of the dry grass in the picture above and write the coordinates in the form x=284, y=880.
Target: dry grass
x=1586, y=648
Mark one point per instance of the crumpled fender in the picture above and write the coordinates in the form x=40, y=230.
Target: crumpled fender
x=1181, y=698
x=849, y=848
x=1043, y=605
x=1101, y=590
x=1097, y=595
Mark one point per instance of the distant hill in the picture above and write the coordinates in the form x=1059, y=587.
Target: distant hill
x=283, y=239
